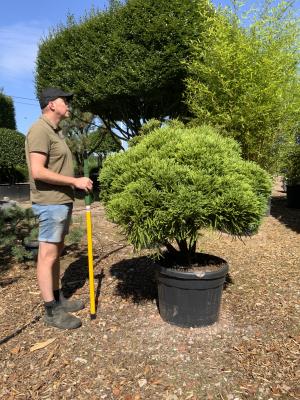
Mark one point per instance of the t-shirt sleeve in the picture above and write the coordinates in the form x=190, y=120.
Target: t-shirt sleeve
x=38, y=141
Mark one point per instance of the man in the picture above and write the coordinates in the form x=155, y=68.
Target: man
x=51, y=185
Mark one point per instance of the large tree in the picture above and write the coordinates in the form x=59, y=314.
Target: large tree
x=7, y=112
x=124, y=64
x=85, y=138
x=244, y=79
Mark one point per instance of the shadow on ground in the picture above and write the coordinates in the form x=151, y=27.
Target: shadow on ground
x=290, y=217
x=76, y=275
x=136, y=279
x=8, y=281
x=6, y=261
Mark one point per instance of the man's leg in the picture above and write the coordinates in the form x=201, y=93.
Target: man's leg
x=56, y=267
x=53, y=224
x=67, y=304
x=48, y=260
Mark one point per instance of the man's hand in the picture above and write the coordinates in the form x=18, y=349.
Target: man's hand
x=83, y=183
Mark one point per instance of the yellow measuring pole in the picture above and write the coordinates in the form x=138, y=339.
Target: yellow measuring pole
x=90, y=260
x=88, y=215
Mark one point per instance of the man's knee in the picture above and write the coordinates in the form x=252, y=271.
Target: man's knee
x=49, y=251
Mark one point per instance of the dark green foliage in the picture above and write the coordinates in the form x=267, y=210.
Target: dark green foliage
x=124, y=64
x=104, y=143
x=7, y=112
x=85, y=139
x=176, y=181
x=18, y=226
x=12, y=156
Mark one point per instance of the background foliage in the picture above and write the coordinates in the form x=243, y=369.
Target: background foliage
x=181, y=59
x=86, y=139
x=7, y=112
x=244, y=79
x=125, y=63
x=12, y=156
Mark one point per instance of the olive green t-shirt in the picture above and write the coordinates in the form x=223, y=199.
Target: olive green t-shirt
x=43, y=137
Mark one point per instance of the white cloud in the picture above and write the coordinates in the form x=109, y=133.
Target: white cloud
x=19, y=46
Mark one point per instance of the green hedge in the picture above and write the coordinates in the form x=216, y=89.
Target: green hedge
x=12, y=156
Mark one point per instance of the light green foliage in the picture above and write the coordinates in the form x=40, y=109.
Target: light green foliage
x=245, y=80
x=148, y=127
x=7, y=112
x=176, y=181
x=12, y=155
x=124, y=64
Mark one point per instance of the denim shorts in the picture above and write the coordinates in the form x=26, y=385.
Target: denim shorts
x=54, y=221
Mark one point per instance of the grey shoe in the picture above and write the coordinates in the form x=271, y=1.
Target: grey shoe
x=70, y=305
x=58, y=317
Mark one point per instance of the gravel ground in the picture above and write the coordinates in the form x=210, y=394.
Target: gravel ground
x=128, y=352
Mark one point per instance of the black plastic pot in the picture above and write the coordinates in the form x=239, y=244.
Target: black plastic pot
x=293, y=196
x=188, y=299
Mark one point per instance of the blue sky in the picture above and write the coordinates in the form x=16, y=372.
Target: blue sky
x=22, y=25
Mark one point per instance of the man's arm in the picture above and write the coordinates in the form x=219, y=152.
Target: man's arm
x=41, y=173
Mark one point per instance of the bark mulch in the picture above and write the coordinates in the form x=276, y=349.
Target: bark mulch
x=128, y=352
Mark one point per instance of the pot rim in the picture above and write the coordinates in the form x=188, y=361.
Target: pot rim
x=181, y=274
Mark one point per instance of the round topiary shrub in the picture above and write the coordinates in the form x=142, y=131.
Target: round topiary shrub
x=178, y=180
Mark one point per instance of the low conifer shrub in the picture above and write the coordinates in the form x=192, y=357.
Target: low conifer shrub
x=176, y=181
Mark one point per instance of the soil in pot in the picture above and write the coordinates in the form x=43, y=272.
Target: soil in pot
x=190, y=295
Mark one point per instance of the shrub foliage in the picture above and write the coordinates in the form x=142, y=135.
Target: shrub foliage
x=176, y=181
x=18, y=226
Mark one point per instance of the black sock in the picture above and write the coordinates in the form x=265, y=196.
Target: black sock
x=49, y=305
x=56, y=294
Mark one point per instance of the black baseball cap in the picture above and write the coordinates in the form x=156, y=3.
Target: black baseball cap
x=50, y=94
